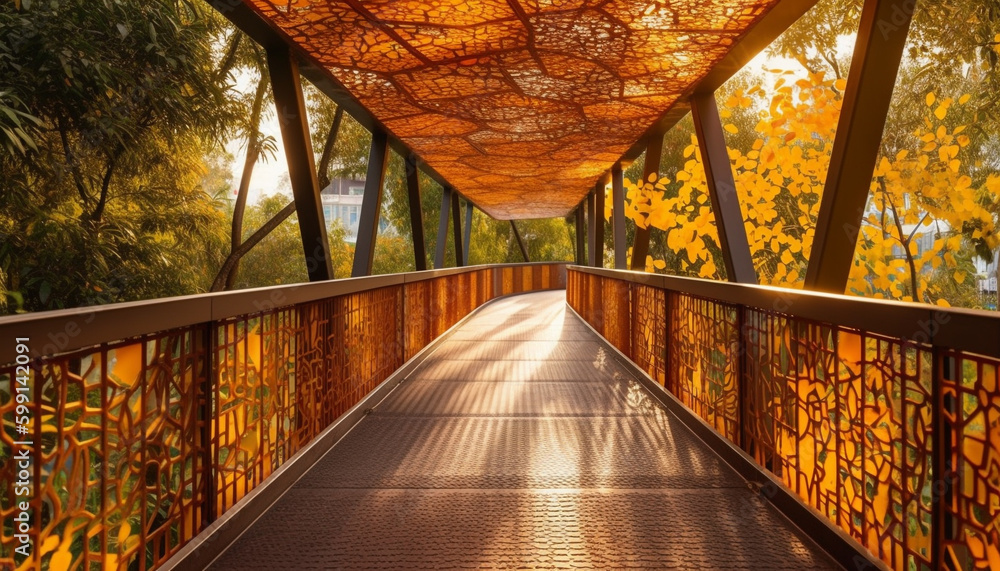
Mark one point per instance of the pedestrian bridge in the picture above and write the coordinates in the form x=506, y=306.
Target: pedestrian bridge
x=519, y=415
x=521, y=442
x=510, y=416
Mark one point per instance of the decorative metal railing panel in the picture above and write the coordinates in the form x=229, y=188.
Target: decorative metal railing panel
x=704, y=359
x=141, y=444
x=649, y=318
x=119, y=447
x=970, y=398
x=890, y=429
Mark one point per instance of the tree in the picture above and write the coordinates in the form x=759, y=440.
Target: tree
x=242, y=53
x=259, y=147
x=925, y=191
x=781, y=178
x=109, y=206
x=277, y=258
x=935, y=184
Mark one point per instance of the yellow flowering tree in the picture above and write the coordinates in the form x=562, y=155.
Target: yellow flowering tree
x=924, y=211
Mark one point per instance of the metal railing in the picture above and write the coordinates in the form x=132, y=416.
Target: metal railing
x=884, y=417
x=152, y=419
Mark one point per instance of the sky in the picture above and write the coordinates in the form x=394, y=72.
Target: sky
x=269, y=177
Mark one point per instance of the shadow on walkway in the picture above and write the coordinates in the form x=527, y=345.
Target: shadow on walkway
x=520, y=443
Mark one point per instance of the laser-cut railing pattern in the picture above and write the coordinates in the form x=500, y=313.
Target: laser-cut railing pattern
x=893, y=435
x=118, y=435
x=144, y=442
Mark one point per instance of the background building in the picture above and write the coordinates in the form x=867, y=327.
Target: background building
x=342, y=201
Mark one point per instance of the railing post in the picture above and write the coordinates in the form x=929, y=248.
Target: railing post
x=742, y=375
x=208, y=387
x=633, y=307
x=668, y=315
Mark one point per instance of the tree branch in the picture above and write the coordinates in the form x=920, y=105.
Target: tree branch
x=106, y=183
x=917, y=227
x=331, y=140
x=914, y=283
x=253, y=150
x=229, y=60
x=72, y=162
x=229, y=266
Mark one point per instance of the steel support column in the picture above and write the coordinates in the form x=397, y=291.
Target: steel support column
x=581, y=233
x=600, y=194
x=640, y=246
x=618, y=216
x=520, y=242
x=468, y=232
x=456, y=215
x=371, y=205
x=442, y=235
x=591, y=228
x=877, y=55
x=722, y=190
x=416, y=214
x=287, y=88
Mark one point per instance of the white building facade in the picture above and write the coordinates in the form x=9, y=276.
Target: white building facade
x=342, y=201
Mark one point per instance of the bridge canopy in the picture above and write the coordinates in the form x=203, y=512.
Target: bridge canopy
x=523, y=105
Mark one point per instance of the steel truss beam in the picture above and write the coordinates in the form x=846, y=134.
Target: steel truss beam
x=870, y=83
x=591, y=228
x=640, y=246
x=600, y=195
x=520, y=242
x=456, y=214
x=416, y=213
x=618, y=215
x=294, y=123
x=442, y=235
x=468, y=232
x=722, y=190
x=371, y=205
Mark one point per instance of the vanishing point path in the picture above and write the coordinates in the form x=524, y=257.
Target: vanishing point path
x=520, y=443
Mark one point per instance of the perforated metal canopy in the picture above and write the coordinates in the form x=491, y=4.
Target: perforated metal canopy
x=520, y=105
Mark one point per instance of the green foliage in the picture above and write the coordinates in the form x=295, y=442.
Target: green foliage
x=108, y=205
x=278, y=258
x=15, y=124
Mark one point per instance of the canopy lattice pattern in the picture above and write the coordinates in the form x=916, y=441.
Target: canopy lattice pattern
x=521, y=105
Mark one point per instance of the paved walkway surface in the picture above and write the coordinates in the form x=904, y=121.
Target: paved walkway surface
x=521, y=444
